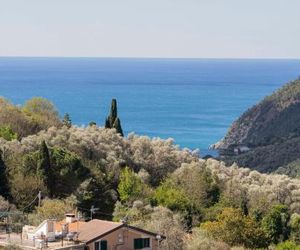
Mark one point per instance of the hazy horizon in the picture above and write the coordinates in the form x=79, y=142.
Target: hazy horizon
x=203, y=29
x=154, y=58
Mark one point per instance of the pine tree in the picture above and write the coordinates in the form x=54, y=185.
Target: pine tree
x=44, y=168
x=112, y=121
x=4, y=189
x=67, y=120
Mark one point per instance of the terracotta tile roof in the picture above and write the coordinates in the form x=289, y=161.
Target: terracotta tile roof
x=73, y=227
x=95, y=228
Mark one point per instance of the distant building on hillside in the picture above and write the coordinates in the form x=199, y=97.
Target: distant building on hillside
x=241, y=149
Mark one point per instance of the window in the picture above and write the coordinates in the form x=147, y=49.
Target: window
x=141, y=243
x=101, y=245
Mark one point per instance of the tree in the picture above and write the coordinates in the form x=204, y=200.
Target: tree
x=24, y=188
x=7, y=133
x=287, y=245
x=244, y=203
x=39, y=105
x=67, y=171
x=65, y=174
x=170, y=195
x=165, y=222
x=67, y=120
x=4, y=187
x=13, y=117
x=198, y=183
x=117, y=126
x=100, y=191
x=44, y=170
x=236, y=229
x=51, y=209
x=295, y=228
x=275, y=223
x=200, y=241
x=4, y=205
x=112, y=121
x=92, y=123
x=41, y=112
x=156, y=219
x=130, y=186
x=113, y=110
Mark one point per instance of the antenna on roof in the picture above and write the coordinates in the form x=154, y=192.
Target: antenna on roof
x=93, y=210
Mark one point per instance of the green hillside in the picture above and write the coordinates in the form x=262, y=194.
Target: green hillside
x=270, y=129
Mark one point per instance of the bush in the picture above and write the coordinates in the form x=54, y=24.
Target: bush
x=12, y=247
x=275, y=223
x=287, y=245
x=7, y=133
x=200, y=241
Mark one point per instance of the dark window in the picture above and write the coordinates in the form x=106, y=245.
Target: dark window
x=101, y=245
x=146, y=242
x=141, y=243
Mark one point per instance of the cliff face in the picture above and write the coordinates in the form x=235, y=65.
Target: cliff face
x=270, y=129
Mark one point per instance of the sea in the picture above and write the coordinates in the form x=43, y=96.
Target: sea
x=193, y=101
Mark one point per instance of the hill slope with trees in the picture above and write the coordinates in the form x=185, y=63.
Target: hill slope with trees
x=150, y=183
x=270, y=129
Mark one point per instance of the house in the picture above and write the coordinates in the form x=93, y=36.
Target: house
x=69, y=226
x=44, y=231
x=107, y=235
x=241, y=149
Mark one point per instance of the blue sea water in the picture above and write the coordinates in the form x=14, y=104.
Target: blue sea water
x=193, y=101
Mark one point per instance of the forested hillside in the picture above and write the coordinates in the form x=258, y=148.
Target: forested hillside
x=270, y=130
x=152, y=183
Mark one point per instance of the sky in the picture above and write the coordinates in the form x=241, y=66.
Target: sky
x=151, y=28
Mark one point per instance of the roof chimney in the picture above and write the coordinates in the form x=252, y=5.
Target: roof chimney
x=70, y=218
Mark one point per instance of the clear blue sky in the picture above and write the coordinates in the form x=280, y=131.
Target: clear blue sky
x=151, y=28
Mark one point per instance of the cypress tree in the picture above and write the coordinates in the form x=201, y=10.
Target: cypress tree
x=4, y=189
x=117, y=126
x=113, y=111
x=44, y=167
x=112, y=121
x=244, y=203
x=67, y=120
x=107, y=124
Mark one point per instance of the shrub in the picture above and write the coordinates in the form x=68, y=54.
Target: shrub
x=287, y=245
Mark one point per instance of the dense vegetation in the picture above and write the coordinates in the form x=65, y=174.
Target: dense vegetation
x=151, y=183
x=270, y=129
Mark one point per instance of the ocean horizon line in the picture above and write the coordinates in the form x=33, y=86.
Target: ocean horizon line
x=152, y=58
